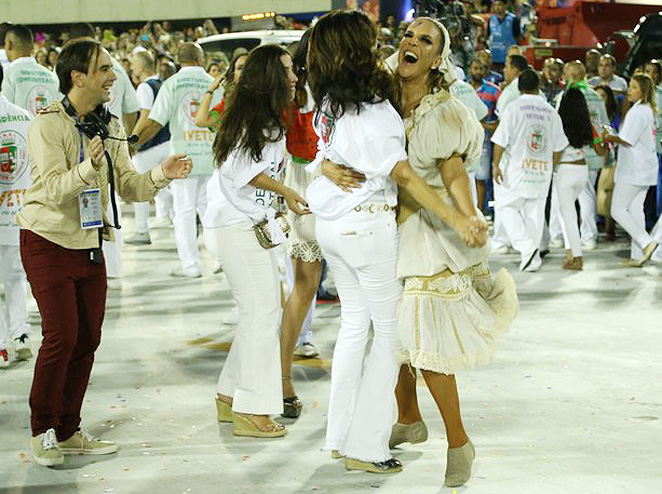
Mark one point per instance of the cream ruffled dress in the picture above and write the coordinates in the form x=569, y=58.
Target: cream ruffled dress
x=452, y=307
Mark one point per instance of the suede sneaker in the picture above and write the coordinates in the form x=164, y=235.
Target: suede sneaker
x=45, y=449
x=82, y=443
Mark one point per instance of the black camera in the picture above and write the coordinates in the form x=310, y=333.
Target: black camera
x=451, y=13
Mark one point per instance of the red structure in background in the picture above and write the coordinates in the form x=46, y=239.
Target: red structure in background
x=580, y=26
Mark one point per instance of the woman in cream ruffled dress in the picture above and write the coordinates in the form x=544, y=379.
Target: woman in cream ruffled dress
x=452, y=307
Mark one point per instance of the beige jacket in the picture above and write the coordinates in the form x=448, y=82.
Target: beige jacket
x=58, y=177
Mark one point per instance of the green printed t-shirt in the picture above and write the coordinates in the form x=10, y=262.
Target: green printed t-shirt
x=30, y=85
x=177, y=104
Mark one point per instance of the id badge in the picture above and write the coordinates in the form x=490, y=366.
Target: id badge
x=89, y=204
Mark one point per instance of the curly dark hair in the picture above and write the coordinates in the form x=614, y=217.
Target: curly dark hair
x=576, y=118
x=344, y=68
x=254, y=112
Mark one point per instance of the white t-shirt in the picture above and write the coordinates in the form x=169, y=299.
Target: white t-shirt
x=509, y=94
x=177, y=105
x=14, y=167
x=371, y=142
x=531, y=130
x=4, y=61
x=145, y=94
x=637, y=163
x=230, y=197
x=617, y=83
x=30, y=85
x=122, y=94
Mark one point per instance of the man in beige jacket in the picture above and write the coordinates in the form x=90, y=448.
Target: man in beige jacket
x=63, y=225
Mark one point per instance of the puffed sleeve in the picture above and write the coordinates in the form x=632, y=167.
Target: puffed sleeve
x=447, y=128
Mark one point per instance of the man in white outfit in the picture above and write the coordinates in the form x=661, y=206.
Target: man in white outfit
x=154, y=151
x=515, y=65
x=14, y=179
x=123, y=104
x=532, y=133
x=575, y=73
x=176, y=105
x=26, y=83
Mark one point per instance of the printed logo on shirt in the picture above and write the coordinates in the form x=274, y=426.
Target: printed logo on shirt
x=191, y=105
x=38, y=99
x=536, y=139
x=13, y=157
x=327, y=123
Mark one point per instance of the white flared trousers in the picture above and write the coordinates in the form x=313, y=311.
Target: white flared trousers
x=588, y=228
x=361, y=251
x=251, y=374
x=523, y=219
x=569, y=182
x=627, y=209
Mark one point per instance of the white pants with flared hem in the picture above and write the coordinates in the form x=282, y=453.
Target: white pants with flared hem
x=252, y=373
x=523, y=221
x=361, y=251
x=13, y=278
x=143, y=162
x=627, y=209
x=189, y=198
x=499, y=235
x=569, y=182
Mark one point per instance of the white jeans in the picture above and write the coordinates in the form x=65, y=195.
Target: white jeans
x=588, y=229
x=251, y=374
x=523, y=221
x=499, y=234
x=569, y=182
x=13, y=277
x=143, y=162
x=189, y=197
x=627, y=208
x=361, y=251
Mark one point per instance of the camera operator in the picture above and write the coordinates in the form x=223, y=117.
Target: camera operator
x=62, y=228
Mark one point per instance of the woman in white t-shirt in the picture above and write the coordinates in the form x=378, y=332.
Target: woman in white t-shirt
x=636, y=168
x=250, y=150
x=357, y=231
x=571, y=174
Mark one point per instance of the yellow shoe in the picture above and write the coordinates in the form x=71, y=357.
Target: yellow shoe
x=245, y=426
x=45, y=449
x=335, y=454
x=223, y=411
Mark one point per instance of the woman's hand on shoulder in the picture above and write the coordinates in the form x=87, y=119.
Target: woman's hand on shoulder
x=345, y=178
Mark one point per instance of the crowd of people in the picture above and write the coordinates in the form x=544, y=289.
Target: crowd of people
x=378, y=166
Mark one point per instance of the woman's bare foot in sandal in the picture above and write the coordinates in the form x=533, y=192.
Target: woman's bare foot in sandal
x=292, y=405
x=246, y=424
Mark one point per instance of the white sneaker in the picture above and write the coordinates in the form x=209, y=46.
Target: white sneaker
x=163, y=222
x=557, y=242
x=6, y=357
x=217, y=267
x=180, y=273
x=138, y=238
x=22, y=347
x=307, y=350
x=590, y=244
x=82, y=443
x=232, y=318
x=46, y=450
x=531, y=262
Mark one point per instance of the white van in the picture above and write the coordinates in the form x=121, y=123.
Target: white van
x=229, y=42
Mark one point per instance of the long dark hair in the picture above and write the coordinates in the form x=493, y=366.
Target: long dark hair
x=576, y=118
x=611, y=105
x=229, y=73
x=344, y=68
x=253, y=116
x=299, y=65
